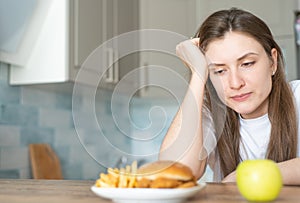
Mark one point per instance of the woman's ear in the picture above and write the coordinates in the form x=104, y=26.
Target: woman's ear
x=274, y=59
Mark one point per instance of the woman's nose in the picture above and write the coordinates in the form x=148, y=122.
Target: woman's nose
x=236, y=80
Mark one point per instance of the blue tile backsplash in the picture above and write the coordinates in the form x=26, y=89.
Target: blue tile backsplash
x=86, y=142
x=34, y=115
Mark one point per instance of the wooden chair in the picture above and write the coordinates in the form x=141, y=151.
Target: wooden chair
x=44, y=162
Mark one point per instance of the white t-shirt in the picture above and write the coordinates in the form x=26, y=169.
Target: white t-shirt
x=255, y=134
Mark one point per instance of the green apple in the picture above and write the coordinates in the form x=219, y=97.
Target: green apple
x=259, y=180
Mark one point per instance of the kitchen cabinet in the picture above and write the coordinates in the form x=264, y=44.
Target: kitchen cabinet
x=163, y=71
x=72, y=31
x=48, y=59
x=14, y=18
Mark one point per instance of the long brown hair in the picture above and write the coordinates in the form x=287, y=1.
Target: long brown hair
x=281, y=109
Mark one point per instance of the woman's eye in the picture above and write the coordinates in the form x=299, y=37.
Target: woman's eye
x=219, y=71
x=248, y=64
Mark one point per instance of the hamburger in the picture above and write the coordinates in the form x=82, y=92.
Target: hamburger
x=165, y=174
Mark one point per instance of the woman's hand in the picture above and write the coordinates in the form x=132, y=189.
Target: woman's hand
x=188, y=51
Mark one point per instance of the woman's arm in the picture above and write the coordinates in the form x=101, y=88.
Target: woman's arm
x=290, y=171
x=183, y=141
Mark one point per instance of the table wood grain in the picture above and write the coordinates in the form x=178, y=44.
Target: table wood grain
x=73, y=191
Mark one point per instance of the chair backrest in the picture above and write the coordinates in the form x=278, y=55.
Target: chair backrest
x=45, y=163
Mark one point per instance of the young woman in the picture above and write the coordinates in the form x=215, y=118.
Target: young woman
x=253, y=111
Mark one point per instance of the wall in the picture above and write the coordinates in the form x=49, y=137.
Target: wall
x=33, y=115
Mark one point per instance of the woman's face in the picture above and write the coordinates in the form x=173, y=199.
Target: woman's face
x=241, y=72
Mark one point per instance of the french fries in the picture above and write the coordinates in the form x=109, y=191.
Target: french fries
x=118, y=178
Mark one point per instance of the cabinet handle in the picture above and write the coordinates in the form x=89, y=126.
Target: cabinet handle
x=116, y=67
x=110, y=60
x=146, y=73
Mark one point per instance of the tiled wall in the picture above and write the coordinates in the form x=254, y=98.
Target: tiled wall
x=86, y=140
x=34, y=115
x=151, y=120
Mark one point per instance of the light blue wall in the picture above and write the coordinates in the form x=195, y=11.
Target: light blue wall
x=151, y=119
x=33, y=115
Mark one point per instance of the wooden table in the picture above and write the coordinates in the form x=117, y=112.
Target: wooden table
x=72, y=191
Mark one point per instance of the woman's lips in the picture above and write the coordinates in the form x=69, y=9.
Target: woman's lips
x=241, y=97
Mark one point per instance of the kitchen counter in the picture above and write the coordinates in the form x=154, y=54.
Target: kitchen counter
x=73, y=191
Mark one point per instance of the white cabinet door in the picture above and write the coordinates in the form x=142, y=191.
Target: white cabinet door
x=87, y=29
x=87, y=33
x=120, y=17
x=72, y=31
x=20, y=23
x=179, y=18
x=48, y=60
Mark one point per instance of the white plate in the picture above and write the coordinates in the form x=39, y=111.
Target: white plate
x=143, y=195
